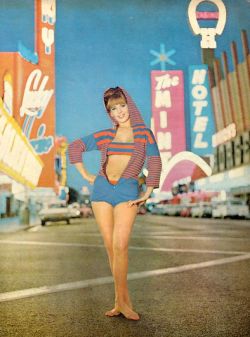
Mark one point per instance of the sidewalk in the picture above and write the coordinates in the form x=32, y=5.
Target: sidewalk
x=13, y=224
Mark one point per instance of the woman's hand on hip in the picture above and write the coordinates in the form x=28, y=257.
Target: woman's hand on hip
x=85, y=174
x=144, y=197
x=90, y=178
x=137, y=202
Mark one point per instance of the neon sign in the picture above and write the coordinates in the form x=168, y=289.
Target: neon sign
x=18, y=159
x=168, y=113
x=207, y=34
x=201, y=119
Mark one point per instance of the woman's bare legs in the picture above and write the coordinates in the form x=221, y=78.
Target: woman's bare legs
x=124, y=217
x=104, y=215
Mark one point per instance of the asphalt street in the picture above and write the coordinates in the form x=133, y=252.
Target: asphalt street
x=187, y=278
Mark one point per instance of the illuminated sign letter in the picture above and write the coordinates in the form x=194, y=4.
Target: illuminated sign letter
x=49, y=11
x=164, y=140
x=162, y=99
x=48, y=39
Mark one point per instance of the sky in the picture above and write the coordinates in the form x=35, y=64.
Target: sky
x=101, y=44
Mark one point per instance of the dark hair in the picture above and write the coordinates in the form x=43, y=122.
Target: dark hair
x=113, y=93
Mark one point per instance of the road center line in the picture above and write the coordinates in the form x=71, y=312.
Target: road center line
x=25, y=293
x=180, y=250
x=174, y=237
x=207, y=238
x=86, y=245
x=187, y=231
x=48, y=243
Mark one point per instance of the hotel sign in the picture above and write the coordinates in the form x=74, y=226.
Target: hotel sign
x=201, y=112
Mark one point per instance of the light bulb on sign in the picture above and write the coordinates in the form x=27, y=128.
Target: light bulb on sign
x=207, y=34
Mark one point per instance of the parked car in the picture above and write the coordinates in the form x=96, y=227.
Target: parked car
x=57, y=211
x=159, y=209
x=142, y=210
x=75, y=208
x=186, y=210
x=150, y=205
x=230, y=208
x=85, y=211
x=201, y=210
x=167, y=209
x=173, y=209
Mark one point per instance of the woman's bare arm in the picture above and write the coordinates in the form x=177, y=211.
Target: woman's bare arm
x=84, y=173
x=145, y=196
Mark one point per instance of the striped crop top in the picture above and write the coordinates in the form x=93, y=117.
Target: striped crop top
x=121, y=148
x=143, y=150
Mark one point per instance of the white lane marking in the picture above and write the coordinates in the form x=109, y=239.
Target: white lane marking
x=158, y=233
x=19, y=294
x=208, y=238
x=179, y=250
x=47, y=243
x=34, y=229
x=14, y=295
x=190, y=231
x=192, y=266
x=86, y=245
x=167, y=233
x=161, y=233
x=170, y=237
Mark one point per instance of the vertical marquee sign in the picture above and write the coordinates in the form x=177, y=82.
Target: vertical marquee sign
x=168, y=114
x=27, y=90
x=201, y=112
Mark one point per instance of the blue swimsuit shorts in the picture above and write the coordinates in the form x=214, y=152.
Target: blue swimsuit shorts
x=126, y=189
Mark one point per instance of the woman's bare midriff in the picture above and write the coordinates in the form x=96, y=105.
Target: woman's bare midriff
x=116, y=165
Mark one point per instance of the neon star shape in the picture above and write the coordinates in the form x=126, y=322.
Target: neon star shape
x=163, y=57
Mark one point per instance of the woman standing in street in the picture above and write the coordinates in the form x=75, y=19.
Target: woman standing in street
x=115, y=197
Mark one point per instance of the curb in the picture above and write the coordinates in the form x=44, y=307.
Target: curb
x=16, y=229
